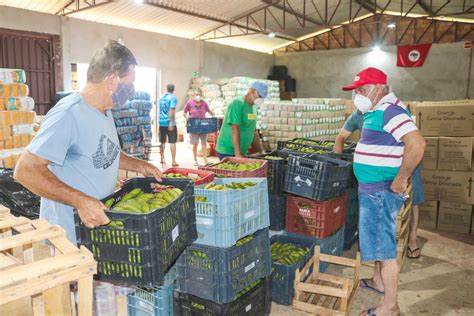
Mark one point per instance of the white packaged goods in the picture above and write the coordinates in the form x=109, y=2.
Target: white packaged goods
x=17, y=104
x=8, y=76
x=219, y=93
x=301, y=118
x=22, y=129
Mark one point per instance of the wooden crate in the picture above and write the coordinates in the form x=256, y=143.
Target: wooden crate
x=322, y=293
x=43, y=283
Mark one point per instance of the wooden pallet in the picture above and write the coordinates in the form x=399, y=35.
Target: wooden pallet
x=322, y=293
x=43, y=283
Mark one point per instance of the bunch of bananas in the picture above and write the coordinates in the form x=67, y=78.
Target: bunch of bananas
x=247, y=289
x=229, y=186
x=136, y=201
x=273, y=158
x=231, y=165
x=287, y=254
x=180, y=176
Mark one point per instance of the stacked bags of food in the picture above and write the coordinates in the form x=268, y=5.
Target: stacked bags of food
x=16, y=116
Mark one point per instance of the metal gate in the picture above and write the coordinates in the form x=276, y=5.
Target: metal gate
x=39, y=55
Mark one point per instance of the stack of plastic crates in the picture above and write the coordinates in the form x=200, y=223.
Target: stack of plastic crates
x=316, y=186
x=227, y=271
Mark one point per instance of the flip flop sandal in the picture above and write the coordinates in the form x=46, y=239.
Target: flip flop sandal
x=410, y=253
x=365, y=285
x=369, y=312
x=196, y=163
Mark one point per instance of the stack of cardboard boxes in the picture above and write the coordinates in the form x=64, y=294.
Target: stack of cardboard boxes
x=301, y=118
x=16, y=116
x=448, y=166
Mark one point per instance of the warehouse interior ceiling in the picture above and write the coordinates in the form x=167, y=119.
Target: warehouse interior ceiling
x=260, y=25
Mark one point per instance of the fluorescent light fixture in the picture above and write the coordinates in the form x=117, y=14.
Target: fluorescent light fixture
x=391, y=25
x=138, y=1
x=271, y=34
x=376, y=48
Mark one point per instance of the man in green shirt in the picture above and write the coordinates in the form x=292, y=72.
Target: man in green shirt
x=238, y=129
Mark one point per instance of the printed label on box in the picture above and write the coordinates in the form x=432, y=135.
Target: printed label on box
x=175, y=233
x=249, y=267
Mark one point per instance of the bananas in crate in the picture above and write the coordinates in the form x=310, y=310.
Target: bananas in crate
x=229, y=186
x=180, y=176
x=247, y=289
x=287, y=254
x=136, y=201
x=232, y=165
x=304, y=149
x=273, y=158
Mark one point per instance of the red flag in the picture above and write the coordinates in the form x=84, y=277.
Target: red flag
x=412, y=55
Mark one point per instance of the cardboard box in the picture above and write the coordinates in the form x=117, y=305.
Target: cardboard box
x=456, y=153
x=454, y=217
x=428, y=215
x=450, y=118
x=449, y=186
x=430, y=157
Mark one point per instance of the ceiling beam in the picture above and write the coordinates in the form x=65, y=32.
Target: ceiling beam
x=369, y=6
x=427, y=8
x=290, y=10
x=81, y=5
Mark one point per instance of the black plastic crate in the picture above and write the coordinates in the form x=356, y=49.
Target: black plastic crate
x=283, y=276
x=277, y=211
x=16, y=197
x=256, y=302
x=351, y=236
x=275, y=172
x=218, y=274
x=202, y=126
x=143, y=250
x=317, y=177
x=349, y=158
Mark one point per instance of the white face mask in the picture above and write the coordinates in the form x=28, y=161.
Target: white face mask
x=197, y=98
x=362, y=103
x=258, y=102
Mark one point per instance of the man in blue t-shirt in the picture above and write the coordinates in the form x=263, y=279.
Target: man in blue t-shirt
x=74, y=160
x=168, y=130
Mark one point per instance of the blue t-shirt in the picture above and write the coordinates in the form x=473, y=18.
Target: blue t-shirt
x=82, y=146
x=354, y=122
x=167, y=101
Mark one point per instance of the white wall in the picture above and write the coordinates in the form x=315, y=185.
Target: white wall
x=323, y=73
x=177, y=58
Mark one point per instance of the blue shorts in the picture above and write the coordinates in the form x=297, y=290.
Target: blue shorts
x=417, y=187
x=377, y=216
x=222, y=156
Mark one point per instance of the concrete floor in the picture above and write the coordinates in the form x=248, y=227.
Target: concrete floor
x=440, y=282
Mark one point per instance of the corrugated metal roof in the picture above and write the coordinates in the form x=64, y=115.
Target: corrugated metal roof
x=128, y=13
x=46, y=6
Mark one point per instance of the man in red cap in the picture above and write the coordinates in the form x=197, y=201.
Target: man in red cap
x=389, y=149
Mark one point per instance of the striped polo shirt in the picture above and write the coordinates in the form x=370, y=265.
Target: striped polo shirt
x=379, y=153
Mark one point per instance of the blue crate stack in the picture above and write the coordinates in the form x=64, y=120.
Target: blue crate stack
x=228, y=268
x=133, y=123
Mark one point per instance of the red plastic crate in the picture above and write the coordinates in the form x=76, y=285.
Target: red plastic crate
x=258, y=173
x=317, y=219
x=206, y=176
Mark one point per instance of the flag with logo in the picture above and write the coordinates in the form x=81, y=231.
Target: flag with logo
x=412, y=55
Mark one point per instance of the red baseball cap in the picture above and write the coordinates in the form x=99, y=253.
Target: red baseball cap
x=367, y=76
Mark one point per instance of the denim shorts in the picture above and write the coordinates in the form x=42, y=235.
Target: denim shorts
x=378, y=212
x=417, y=187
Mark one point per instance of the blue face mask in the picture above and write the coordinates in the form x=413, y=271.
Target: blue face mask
x=123, y=93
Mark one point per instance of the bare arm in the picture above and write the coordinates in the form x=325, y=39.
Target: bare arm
x=236, y=140
x=413, y=153
x=172, y=118
x=340, y=140
x=210, y=112
x=33, y=173
x=133, y=164
x=256, y=143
